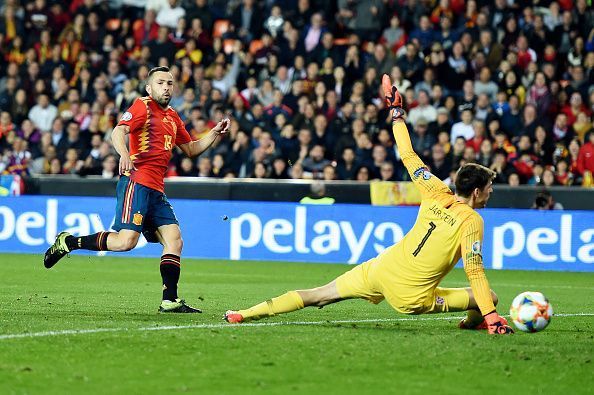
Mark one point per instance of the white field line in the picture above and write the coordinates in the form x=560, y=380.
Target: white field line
x=248, y=325
x=523, y=286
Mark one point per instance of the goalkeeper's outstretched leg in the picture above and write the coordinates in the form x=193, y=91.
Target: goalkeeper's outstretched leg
x=286, y=303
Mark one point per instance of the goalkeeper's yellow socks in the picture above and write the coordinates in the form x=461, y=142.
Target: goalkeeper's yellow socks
x=285, y=303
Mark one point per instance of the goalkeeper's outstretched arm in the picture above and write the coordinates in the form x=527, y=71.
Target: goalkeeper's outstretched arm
x=427, y=183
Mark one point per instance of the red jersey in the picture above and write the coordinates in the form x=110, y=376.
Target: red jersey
x=153, y=133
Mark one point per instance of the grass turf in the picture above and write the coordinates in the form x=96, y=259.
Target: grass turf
x=408, y=355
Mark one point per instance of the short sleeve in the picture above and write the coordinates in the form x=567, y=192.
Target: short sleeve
x=182, y=136
x=135, y=116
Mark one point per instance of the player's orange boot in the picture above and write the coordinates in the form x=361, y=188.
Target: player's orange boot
x=233, y=317
x=392, y=97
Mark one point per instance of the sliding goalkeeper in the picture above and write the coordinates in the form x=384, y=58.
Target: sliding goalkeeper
x=408, y=273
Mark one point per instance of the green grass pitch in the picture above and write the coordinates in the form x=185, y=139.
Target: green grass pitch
x=352, y=347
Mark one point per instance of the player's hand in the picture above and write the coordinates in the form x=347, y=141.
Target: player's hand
x=392, y=97
x=497, y=325
x=126, y=164
x=222, y=127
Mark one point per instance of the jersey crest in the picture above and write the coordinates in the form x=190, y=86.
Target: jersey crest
x=476, y=248
x=422, y=172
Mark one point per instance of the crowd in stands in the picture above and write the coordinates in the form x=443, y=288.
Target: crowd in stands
x=507, y=84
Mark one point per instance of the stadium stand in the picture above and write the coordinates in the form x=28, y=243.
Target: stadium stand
x=509, y=85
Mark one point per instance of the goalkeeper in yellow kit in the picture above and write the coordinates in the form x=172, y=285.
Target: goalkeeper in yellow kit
x=408, y=273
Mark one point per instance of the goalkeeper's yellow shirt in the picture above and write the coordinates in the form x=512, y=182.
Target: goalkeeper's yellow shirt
x=444, y=231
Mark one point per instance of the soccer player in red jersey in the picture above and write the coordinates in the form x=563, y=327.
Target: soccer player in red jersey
x=154, y=128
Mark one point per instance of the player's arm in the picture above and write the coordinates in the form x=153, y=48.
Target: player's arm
x=194, y=148
x=132, y=119
x=118, y=138
x=471, y=249
x=426, y=183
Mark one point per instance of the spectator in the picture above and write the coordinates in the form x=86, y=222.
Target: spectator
x=363, y=174
x=439, y=163
x=275, y=21
x=347, y=167
x=585, y=161
x=147, y=29
x=247, y=19
x=463, y=128
x=393, y=36
x=548, y=178
x=513, y=180
x=424, y=33
x=296, y=172
x=387, y=172
x=493, y=50
x=458, y=69
x=170, y=14
x=539, y=95
x=72, y=140
x=561, y=129
x=260, y=171
x=410, y=63
x=424, y=109
x=421, y=140
x=200, y=10
x=315, y=162
x=222, y=80
x=501, y=167
x=485, y=84
x=43, y=113
x=161, y=47
x=381, y=61
x=279, y=169
x=204, y=167
x=110, y=167
x=329, y=173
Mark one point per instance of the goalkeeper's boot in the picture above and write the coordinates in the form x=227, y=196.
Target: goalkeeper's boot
x=465, y=325
x=233, y=317
x=56, y=251
x=177, y=306
x=392, y=97
x=482, y=325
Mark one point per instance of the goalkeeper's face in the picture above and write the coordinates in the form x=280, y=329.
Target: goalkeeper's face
x=481, y=196
x=160, y=87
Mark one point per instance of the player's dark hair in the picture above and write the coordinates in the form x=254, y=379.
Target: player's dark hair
x=472, y=176
x=156, y=70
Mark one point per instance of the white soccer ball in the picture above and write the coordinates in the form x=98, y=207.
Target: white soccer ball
x=531, y=311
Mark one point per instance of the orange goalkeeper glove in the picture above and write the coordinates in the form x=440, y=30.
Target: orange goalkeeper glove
x=497, y=325
x=392, y=97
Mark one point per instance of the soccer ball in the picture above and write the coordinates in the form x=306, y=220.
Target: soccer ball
x=531, y=311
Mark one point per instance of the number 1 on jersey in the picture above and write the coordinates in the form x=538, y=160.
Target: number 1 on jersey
x=432, y=227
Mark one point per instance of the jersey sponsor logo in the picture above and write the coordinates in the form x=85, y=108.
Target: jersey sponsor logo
x=476, y=248
x=422, y=172
x=137, y=219
x=126, y=117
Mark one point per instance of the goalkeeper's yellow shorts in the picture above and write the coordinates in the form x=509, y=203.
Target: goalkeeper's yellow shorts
x=372, y=282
